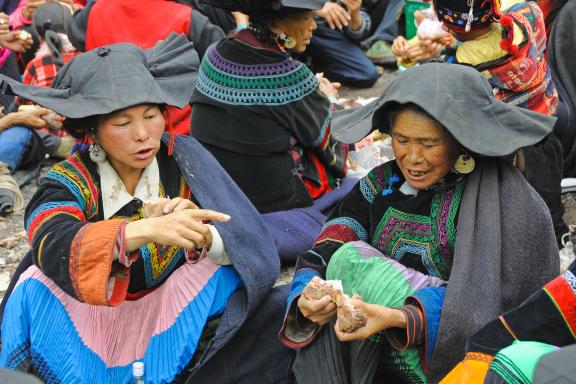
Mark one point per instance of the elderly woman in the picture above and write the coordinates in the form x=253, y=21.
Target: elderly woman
x=130, y=259
x=436, y=243
x=261, y=113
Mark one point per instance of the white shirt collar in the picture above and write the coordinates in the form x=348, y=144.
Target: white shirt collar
x=114, y=193
x=408, y=190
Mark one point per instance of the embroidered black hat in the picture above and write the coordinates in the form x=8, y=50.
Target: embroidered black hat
x=458, y=98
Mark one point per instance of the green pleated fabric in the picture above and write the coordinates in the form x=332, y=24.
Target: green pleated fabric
x=378, y=280
x=516, y=363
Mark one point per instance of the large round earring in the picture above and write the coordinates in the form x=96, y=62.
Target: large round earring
x=287, y=41
x=464, y=164
x=97, y=153
x=290, y=42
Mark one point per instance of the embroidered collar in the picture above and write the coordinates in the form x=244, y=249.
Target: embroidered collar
x=114, y=193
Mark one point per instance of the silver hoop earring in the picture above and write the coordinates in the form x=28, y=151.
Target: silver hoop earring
x=97, y=153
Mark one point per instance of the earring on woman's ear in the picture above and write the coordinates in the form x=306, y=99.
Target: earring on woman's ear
x=287, y=41
x=97, y=153
x=464, y=164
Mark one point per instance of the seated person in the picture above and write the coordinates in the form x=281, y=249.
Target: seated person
x=335, y=47
x=118, y=272
x=385, y=29
x=263, y=115
x=506, y=43
x=49, y=23
x=143, y=22
x=20, y=147
x=426, y=45
x=430, y=241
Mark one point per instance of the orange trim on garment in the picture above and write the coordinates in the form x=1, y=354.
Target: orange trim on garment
x=471, y=370
x=90, y=267
x=508, y=328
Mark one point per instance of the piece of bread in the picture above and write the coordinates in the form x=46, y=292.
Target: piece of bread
x=350, y=318
x=154, y=209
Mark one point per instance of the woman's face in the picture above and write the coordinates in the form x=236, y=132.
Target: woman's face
x=424, y=151
x=299, y=26
x=131, y=137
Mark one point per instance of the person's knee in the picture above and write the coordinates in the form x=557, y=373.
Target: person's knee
x=364, y=77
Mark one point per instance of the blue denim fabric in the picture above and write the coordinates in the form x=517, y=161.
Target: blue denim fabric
x=388, y=27
x=340, y=58
x=13, y=144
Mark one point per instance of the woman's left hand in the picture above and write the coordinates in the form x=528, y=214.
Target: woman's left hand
x=328, y=88
x=379, y=318
x=178, y=204
x=14, y=41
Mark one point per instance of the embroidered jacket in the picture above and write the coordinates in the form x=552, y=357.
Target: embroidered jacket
x=419, y=231
x=548, y=316
x=75, y=246
x=260, y=113
x=523, y=80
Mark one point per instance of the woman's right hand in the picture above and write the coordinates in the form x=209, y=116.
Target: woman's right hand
x=319, y=311
x=399, y=46
x=184, y=228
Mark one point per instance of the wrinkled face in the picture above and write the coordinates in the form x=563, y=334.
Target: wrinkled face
x=300, y=26
x=131, y=137
x=424, y=151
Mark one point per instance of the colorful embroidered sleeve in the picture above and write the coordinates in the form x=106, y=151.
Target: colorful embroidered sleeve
x=349, y=222
x=78, y=255
x=547, y=316
x=311, y=126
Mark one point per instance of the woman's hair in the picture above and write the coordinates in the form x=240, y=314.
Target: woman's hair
x=81, y=128
x=396, y=108
x=260, y=25
x=50, y=22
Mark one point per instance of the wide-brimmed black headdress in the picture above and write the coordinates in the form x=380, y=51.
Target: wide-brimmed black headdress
x=117, y=76
x=458, y=98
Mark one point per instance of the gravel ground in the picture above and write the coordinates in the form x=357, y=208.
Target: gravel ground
x=13, y=242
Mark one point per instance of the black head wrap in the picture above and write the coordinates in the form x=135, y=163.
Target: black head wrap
x=49, y=20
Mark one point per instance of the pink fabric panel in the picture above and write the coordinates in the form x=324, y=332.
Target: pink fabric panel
x=17, y=20
x=4, y=53
x=99, y=327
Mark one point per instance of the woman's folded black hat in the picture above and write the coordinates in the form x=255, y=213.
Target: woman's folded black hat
x=252, y=7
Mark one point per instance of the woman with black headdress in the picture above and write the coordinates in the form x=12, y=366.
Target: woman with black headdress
x=262, y=114
x=437, y=242
x=131, y=258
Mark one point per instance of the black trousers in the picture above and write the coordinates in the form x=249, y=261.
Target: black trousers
x=329, y=361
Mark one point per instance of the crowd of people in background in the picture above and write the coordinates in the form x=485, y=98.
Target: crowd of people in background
x=200, y=145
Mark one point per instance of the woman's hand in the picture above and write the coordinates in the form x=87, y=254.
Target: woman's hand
x=335, y=15
x=14, y=42
x=319, y=311
x=184, y=228
x=4, y=24
x=379, y=319
x=178, y=204
x=32, y=118
x=327, y=87
x=399, y=46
